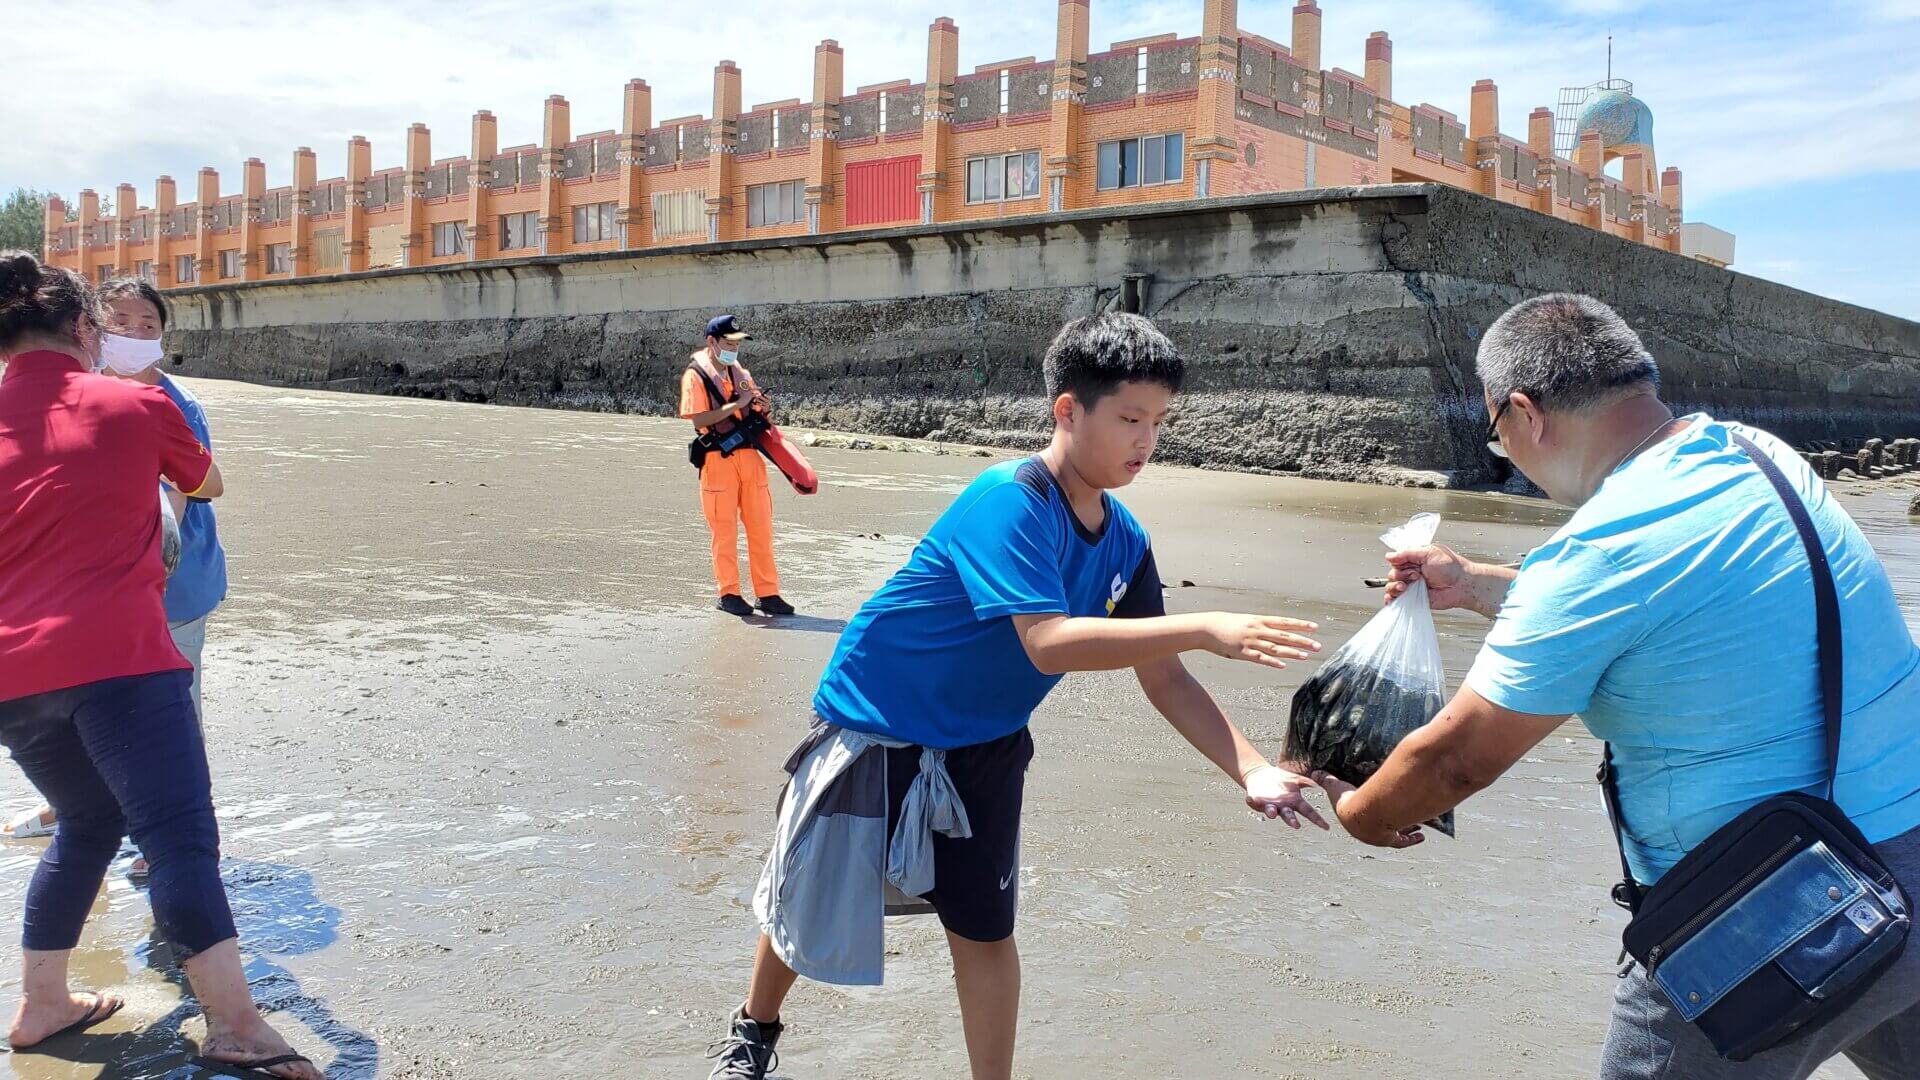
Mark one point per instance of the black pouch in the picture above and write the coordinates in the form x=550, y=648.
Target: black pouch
x=1785, y=915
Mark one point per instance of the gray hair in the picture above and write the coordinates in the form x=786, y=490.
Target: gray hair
x=1564, y=350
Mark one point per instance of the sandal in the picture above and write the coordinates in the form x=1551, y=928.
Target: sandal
x=31, y=824
x=98, y=1014
x=256, y=1067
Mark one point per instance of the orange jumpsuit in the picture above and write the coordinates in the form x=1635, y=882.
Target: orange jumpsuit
x=733, y=492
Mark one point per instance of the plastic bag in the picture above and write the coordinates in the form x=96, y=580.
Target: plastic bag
x=1387, y=680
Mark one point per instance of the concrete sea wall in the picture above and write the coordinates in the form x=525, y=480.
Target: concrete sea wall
x=1329, y=333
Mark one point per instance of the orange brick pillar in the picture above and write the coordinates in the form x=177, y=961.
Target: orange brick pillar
x=54, y=220
x=253, y=186
x=1540, y=141
x=89, y=220
x=1670, y=195
x=166, y=199
x=206, y=267
x=1066, y=126
x=353, y=244
x=481, y=242
x=305, y=172
x=1380, y=65
x=1633, y=172
x=1540, y=131
x=415, y=246
x=936, y=139
x=1591, y=158
x=636, y=119
x=723, y=139
x=1483, y=135
x=1214, y=148
x=823, y=134
x=556, y=133
x=125, y=202
x=1306, y=35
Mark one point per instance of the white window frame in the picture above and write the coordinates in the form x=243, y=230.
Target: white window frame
x=594, y=222
x=529, y=224
x=776, y=129
x=229, y=263
x=992, y=186
x=449, y=238
x=1140, y=72
x=279, y=258
x=883, y=112
x=1172, y=170
x=783, y=202
x=184, y=272
x=1006, y=89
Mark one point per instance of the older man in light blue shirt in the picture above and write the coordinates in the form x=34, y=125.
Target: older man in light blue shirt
x=1674, y=614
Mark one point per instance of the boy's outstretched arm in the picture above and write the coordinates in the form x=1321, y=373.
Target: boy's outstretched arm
x=1191, y=710
x=1058, y=644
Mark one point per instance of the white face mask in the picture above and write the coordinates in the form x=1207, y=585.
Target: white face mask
x=128, y=356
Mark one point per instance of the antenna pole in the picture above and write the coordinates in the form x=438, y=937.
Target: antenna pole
x=1609, y=59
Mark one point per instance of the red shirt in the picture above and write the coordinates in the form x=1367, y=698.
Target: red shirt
x=81, y=582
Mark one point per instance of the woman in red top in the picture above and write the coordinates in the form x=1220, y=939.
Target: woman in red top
x=94, y=697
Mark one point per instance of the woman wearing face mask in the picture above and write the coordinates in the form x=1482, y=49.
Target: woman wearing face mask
x=137, y=314
x=95, y=700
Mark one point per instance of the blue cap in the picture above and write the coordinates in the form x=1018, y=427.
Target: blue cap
x=726, y=328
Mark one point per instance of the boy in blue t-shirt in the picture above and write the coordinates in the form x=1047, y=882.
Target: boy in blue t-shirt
x=1034, y=571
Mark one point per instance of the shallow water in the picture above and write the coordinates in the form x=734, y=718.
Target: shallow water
x=495, y=783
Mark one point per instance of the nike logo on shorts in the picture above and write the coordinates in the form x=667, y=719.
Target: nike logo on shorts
x=1008, y=880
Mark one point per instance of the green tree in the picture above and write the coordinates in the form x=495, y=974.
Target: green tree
x=23, y=220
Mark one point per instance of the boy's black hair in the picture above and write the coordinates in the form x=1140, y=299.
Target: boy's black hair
x=1094, y=354
x=139, y=289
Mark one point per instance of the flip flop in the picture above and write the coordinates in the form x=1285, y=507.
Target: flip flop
x=257, y=1067
x=95, y=1015
x=28, y=826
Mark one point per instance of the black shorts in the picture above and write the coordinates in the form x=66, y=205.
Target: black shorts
x=976, y=881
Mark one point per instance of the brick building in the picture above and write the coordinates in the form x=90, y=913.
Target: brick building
x=1157, y=118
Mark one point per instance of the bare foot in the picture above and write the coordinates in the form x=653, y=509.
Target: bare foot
x=258, y=1043
x=39, y=1020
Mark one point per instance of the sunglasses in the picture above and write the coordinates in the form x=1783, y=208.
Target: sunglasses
x=1494, y=445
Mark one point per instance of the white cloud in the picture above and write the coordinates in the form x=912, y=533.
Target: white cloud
x=1744, y=96
x=206, y=83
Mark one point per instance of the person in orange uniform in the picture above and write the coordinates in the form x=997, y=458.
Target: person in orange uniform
x=716, y=394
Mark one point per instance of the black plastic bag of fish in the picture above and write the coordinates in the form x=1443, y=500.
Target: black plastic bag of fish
x=1381, y=685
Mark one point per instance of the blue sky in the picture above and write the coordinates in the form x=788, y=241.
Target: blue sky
x=1796, y=124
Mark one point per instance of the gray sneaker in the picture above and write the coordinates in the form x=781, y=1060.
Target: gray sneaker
x=747, y=1051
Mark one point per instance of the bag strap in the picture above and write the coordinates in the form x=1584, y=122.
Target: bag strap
x=1826, y=605
x=715, y=399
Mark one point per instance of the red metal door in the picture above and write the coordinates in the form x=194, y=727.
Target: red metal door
x=884, y=191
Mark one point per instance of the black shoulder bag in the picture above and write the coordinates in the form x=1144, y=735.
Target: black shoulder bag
x=1785, y=915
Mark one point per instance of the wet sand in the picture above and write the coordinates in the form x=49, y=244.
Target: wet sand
x=495, y=783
